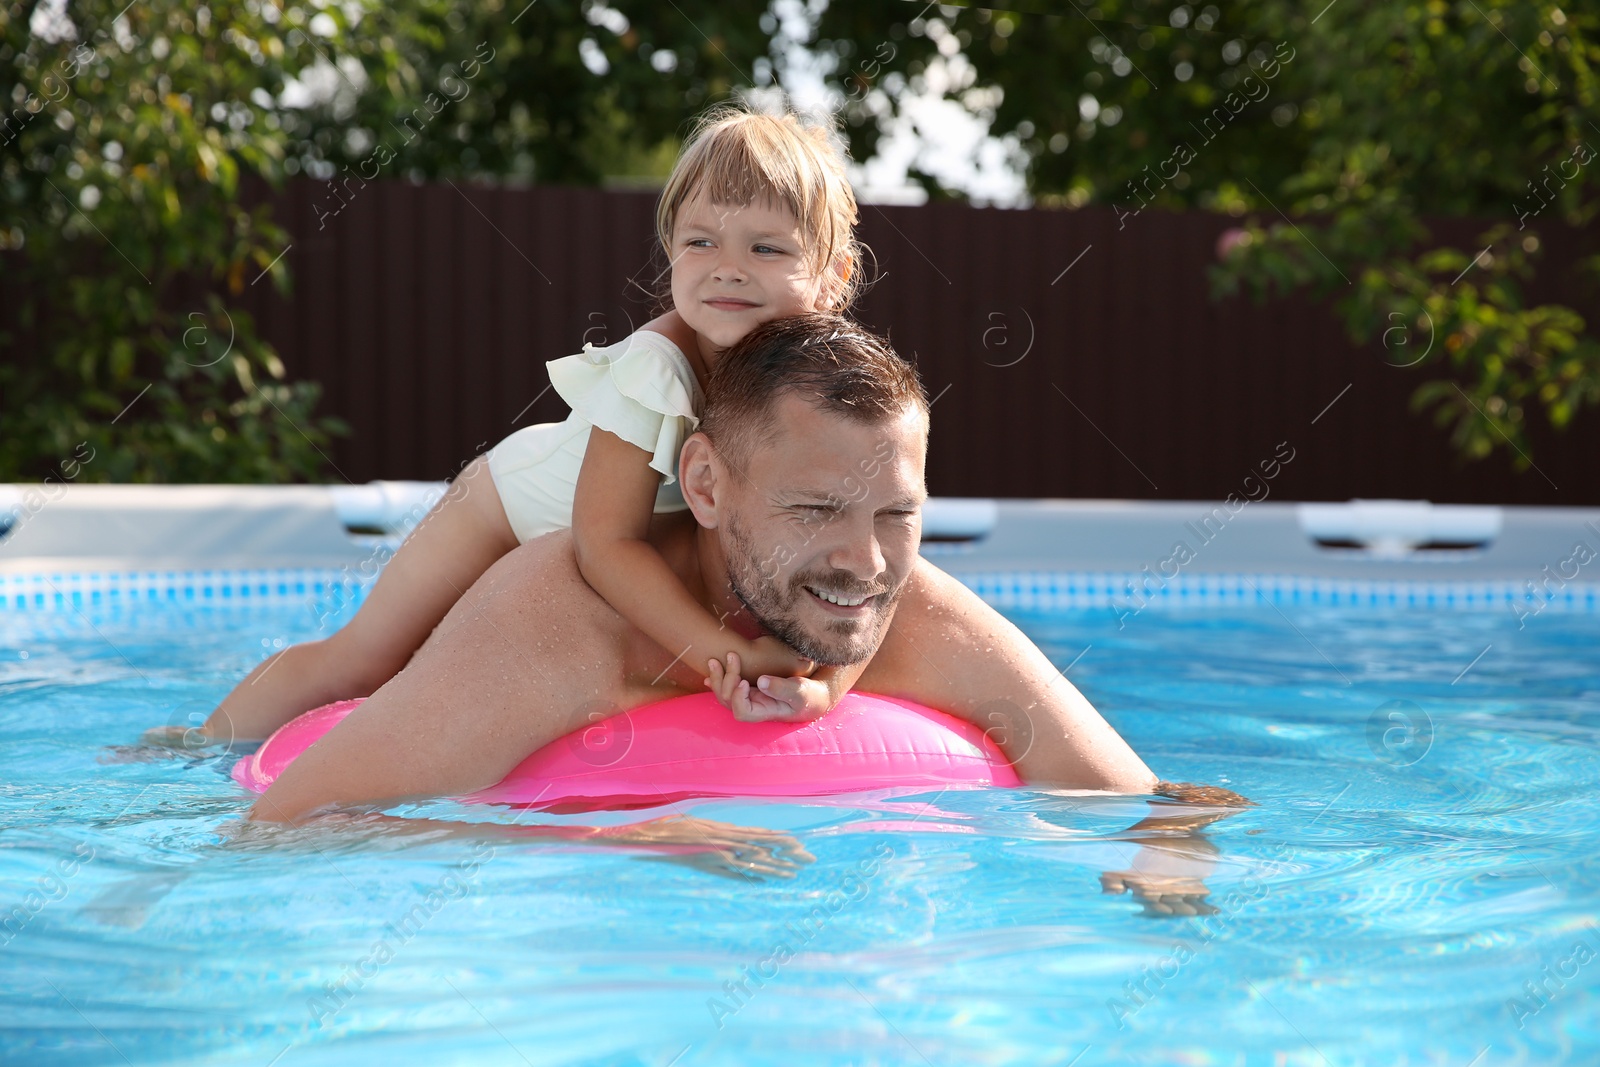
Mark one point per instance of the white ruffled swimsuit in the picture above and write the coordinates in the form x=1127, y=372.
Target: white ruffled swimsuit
x=642, y=389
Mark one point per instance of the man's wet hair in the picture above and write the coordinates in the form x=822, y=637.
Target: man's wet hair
x=827, y=359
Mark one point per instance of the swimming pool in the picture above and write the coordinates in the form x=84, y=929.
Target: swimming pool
x=1419, y=883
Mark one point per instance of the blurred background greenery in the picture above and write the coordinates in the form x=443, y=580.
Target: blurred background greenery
x=132, y=131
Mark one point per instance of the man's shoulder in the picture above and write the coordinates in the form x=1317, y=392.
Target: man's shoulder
x=540, y=569
x=937, y=610
x=931, y=589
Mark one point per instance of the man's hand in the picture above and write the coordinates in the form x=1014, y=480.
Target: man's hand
x=717, y=847
x=164, y=742
x=188, y=738
x=772, y=699
x=1208, y=795
x=1161, y=894
x=1168, y=873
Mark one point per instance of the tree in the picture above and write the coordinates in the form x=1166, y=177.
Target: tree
x=119, y=181
x=556, y=91
x=1356, y=121
x=133, y=130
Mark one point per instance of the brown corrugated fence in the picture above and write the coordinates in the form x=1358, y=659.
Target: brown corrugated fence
x=1072, y=353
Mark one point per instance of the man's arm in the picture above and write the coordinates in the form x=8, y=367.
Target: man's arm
x=949, y=650
x=705, y=844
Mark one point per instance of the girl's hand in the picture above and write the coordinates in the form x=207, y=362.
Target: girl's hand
x=788, y=699
x=773, y=699
x=768, y=655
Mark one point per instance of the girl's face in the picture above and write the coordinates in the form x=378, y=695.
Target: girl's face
x=734, y=268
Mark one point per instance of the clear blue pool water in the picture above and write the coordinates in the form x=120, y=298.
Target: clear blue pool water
x=1418, y=885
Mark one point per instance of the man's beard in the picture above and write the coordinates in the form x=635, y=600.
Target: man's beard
x=841, y=642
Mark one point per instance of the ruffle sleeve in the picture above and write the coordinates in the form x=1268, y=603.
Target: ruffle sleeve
x=642, y=389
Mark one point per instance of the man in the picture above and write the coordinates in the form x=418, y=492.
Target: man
x=805, y=488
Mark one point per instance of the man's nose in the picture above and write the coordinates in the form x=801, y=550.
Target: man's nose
x=857, y=550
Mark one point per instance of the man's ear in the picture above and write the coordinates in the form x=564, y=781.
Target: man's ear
x=698, y=475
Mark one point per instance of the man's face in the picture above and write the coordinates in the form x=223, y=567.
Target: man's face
x=823, y=526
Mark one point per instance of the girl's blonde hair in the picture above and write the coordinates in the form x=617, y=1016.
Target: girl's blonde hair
x=736, y=156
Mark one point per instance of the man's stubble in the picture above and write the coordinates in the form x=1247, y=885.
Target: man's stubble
x=841, y=643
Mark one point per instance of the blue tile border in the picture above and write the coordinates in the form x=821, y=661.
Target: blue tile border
x=1133, y=591
x=1006, y=590
x=58, y=591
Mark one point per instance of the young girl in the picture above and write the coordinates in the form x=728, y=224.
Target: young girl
x=757, y=222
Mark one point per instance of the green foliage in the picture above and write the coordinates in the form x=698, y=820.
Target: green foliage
x=133, y=127
x=119, y=187
x=1359, y=120
x=558, y=91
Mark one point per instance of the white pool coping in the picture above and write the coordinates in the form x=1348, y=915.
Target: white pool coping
x=72, y=544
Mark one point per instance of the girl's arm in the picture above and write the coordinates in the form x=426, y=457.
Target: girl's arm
x=782, y=699
x=611, y=511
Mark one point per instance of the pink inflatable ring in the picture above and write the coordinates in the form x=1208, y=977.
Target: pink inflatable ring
x=691, y=746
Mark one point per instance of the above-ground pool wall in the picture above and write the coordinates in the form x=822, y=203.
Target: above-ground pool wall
x=1049, y=554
